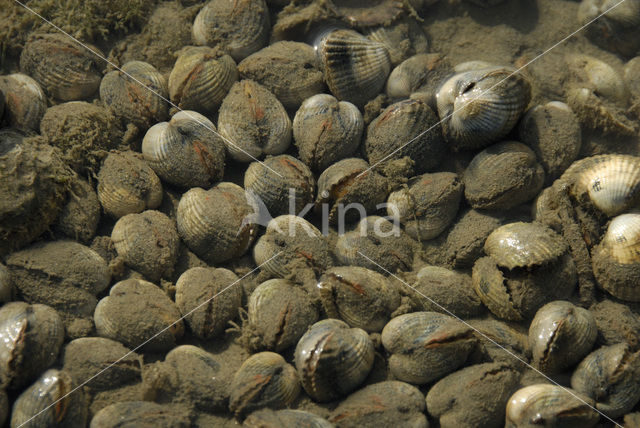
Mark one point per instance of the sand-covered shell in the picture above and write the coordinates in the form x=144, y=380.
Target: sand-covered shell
x=479, y=107
x=503, y=176
x=292, y=248
x=208, y=298
x=616, y=260
x=600, y=115
x=599, y=77
x=6, y=286
x=278, y=314
x=25, y=102
x=333, y=359
x=268, y=418
x=49, y=402
x=137, y=93
x=420, y=73
x=610, y=376
x=138, y=313
x=142, y=413
x=406, y=128
x=264, y=380
x=360, y=297
x=494, y=337
x=253, y=122
x=66, y=69
x=403, y=37
x=148, y=242
x=616, y=323
x=355, y=68
x=610, y=182
x=187, y=151
x=560, y=335
x=350, y=183
x=2, y=102
x=428, y=205
x=631, y=77
x=475, y=396
x=326, y=130
x=551, y=406
x=215, y=223
x=127, y=185
x=385, y=403
x=612, y=25
x=201, y=78
x=282, y=183
x=465, y=240
x=377, y=244
x=425, y=346
x=239, y=28
x=297, y=77
x=31, y=337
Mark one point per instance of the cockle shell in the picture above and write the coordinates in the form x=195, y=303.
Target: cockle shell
x=479, y=107
x=25, y=103
x=187, y=151
x=560, y=335
x=326, y=130
x=264, y=380
x=610, y=376
x=136, y=93
x=253, y=122
x=282, y=183
x=599, y=77
x=426, y=346
x=551, y=405
x=267, y=418
x=355, y=68
x=142, y=413
x=333, y=359
x=238, y=27
x=406, y=128
x=216, y=224
x=201, y=78
x=66, y=69
x=420, y=73
x=623, y=238
x=612, y=24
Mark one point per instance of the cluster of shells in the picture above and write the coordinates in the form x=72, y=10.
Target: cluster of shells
x=307, y=222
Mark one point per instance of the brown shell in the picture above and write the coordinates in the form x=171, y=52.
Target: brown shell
x=141, y=413
x=64, y=68
x=25, y=101
x=419, y=73
x=612, y=25
x=267, y=418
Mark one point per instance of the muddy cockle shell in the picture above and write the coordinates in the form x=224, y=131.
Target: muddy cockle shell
x=346, y=182
x=137, y=413
x=263, y=380
x=187, y=151
x=502, y=176
x=408, y=128
x=127, y=185
x=616, y=260
x=609, y=375
x=599, y=77
x=355, y=68
x=208, y=298
x=560, y=335
x=420, y=73
x=425, y=346
x=25, y=101
x=216, y=223
x=528, y=266
x=382, y=404
x=134, y=312
x=333, y=359
x=50, y=398
x=136, y=93
x=30, y=339
x=428, y=205
x=617, y=30
x=292, y=248
x=360, y=297
x=479, y=107
x=267, y=418
x=278, y=314
x=610, y=182
x=148, y=243
x=64, y=68
x=6, y=286
x=253, y=122
x=326, y=130
x=201, y=78
x=551, y=406
x=239, y=27
x=282, y=183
